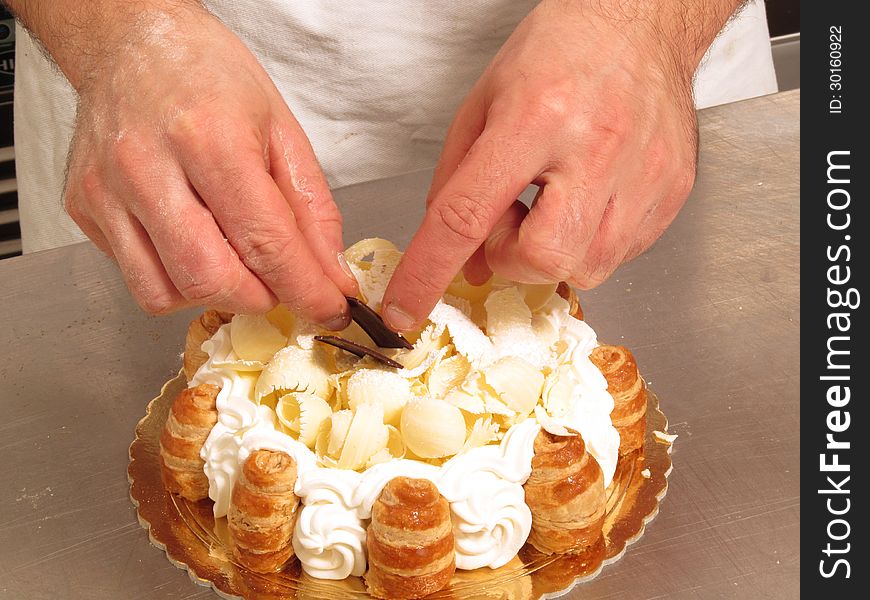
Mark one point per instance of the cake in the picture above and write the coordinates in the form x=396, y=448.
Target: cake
x=499, y=423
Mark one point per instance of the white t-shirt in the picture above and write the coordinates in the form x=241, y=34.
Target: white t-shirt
x=374, y=85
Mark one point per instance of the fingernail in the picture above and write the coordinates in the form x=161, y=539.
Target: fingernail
x=342, y=262
x=339, y=323
x=398, y=319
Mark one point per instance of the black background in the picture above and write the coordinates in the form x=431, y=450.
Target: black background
x=783, y=16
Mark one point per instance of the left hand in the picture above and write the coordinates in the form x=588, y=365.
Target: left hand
x=595, y=110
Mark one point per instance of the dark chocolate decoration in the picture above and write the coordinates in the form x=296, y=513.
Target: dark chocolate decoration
x=372, y=323
x=358, y=350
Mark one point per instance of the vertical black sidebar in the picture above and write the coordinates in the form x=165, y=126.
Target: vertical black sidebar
x=835, y=432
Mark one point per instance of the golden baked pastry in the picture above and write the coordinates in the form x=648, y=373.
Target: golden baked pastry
x=629, y=394
x=198, y=331
x=574, y=309
x=190, y=420
x=565, y=493
x=410, y=541
x=262, y=511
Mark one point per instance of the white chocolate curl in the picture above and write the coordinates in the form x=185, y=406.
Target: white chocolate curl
x=387, y=389
x=302, y=414
x=353, y=437
x=517, y=383
x=295, y=369
x=254, y=338
x=433, y=428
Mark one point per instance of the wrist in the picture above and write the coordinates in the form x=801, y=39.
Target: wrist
x=84, y=39
x=675, y=33
x=688, y=29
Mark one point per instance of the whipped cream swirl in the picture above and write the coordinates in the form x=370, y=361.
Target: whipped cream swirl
x=330, y=538
x=491, y=520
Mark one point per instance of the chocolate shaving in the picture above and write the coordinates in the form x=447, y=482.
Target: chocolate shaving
x=372, y=323
x=358, y=350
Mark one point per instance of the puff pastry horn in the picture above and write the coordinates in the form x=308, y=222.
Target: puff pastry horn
x=190, y=420
x=629, y=394
x=565, y=493
x=574, y=309
x=262, y=511
x=410, y=541
x=199, y=330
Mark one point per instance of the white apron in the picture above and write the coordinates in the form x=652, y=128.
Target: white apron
x=374, y=85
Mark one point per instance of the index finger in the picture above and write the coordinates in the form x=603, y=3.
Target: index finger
x=496, y=170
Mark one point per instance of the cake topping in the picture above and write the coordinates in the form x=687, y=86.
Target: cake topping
x=303, y=414
x=294, y=369
x=376, y=386
x=356, y=439
x=254, y=338
x=433, y=428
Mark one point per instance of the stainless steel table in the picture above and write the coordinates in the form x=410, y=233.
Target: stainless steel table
x=712, y=313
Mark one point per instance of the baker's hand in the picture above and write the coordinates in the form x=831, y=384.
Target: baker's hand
x=595, y=107
x=188, y=167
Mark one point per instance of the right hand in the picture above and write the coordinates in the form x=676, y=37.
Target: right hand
x=188, y=168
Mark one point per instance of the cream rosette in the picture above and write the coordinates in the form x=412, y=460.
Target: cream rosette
x=221, y=455
x=485, y=489
x=491, y=527
x=329, y=537
x=330, y=541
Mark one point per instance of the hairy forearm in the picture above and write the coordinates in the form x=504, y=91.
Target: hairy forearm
x=686, y=28
x=80, y=36
x=694, y=23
